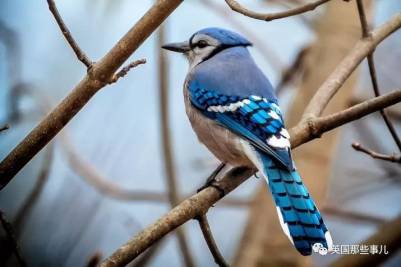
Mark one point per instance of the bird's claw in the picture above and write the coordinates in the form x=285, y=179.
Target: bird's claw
x=215, y=184
x=209, y=182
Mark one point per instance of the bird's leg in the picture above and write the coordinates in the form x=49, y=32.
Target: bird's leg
x=211, y=180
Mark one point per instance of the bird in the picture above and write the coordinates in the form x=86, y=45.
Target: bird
x=233, y=110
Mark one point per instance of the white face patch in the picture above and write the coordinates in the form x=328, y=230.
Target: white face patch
x=197, y=54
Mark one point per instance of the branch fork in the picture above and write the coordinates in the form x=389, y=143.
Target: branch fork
x=392, y=158
x=211, y=243
x=312, y=127
x=124, y=71
x=81, y=55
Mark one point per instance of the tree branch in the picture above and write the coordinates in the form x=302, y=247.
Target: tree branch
x=202, y=201
x=126, y=69
x=8, y=229
x=337, y=78
x=268, y=53
x=169, y=165
x=97, y=78
x=94, y=260
x=67, y=34
x=148, y=255
x=4, y=127
x=234, y=5
x=373, y=75
x=104, y=185
x=211, y=243
x=394, y=112
x=375, y=155
x=186, y=210
x=315, y=127
x=289, y=4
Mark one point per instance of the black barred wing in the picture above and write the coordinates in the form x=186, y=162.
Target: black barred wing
x=253, y=117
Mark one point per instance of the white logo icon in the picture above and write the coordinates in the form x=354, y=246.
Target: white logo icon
x=318, y=248
x=323, y=251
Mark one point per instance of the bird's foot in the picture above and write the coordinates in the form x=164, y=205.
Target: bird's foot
x=211, y=180
x=215, y=184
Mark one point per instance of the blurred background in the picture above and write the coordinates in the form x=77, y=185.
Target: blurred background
x=103, y=178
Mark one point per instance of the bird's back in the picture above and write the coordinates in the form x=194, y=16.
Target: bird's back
x=232, y=72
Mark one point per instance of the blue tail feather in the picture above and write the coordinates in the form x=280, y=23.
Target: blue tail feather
x=299, y=216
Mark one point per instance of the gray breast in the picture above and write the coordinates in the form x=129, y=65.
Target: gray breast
x=220, y=141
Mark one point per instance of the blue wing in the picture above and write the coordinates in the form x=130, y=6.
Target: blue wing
x=254, y=118
x=260, y=121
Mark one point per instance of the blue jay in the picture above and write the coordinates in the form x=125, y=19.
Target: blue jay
x=233, y=110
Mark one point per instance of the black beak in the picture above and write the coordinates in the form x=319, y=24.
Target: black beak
x=182, y=47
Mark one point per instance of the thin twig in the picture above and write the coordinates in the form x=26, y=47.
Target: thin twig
x=234, y=5
x=4, y=127
x=67, y=34
x=368, y=134
x=80, y=53
x=211, y=243
x=363, y=20
x=394, y=112
x=269, y=54
x=290, y=4
x=8, y=229
x=169, y=165
x=375, y=155
x=126, y=69
x=202, y=201
x=373, y=74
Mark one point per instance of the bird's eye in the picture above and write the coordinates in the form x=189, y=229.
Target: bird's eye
x=201, y=44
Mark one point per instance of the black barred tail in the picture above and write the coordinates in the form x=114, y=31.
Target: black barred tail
x=298, y=214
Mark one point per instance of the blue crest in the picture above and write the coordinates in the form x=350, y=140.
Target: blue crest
x=225, y=37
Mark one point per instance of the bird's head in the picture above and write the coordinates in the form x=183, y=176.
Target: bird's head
x=206, y=43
